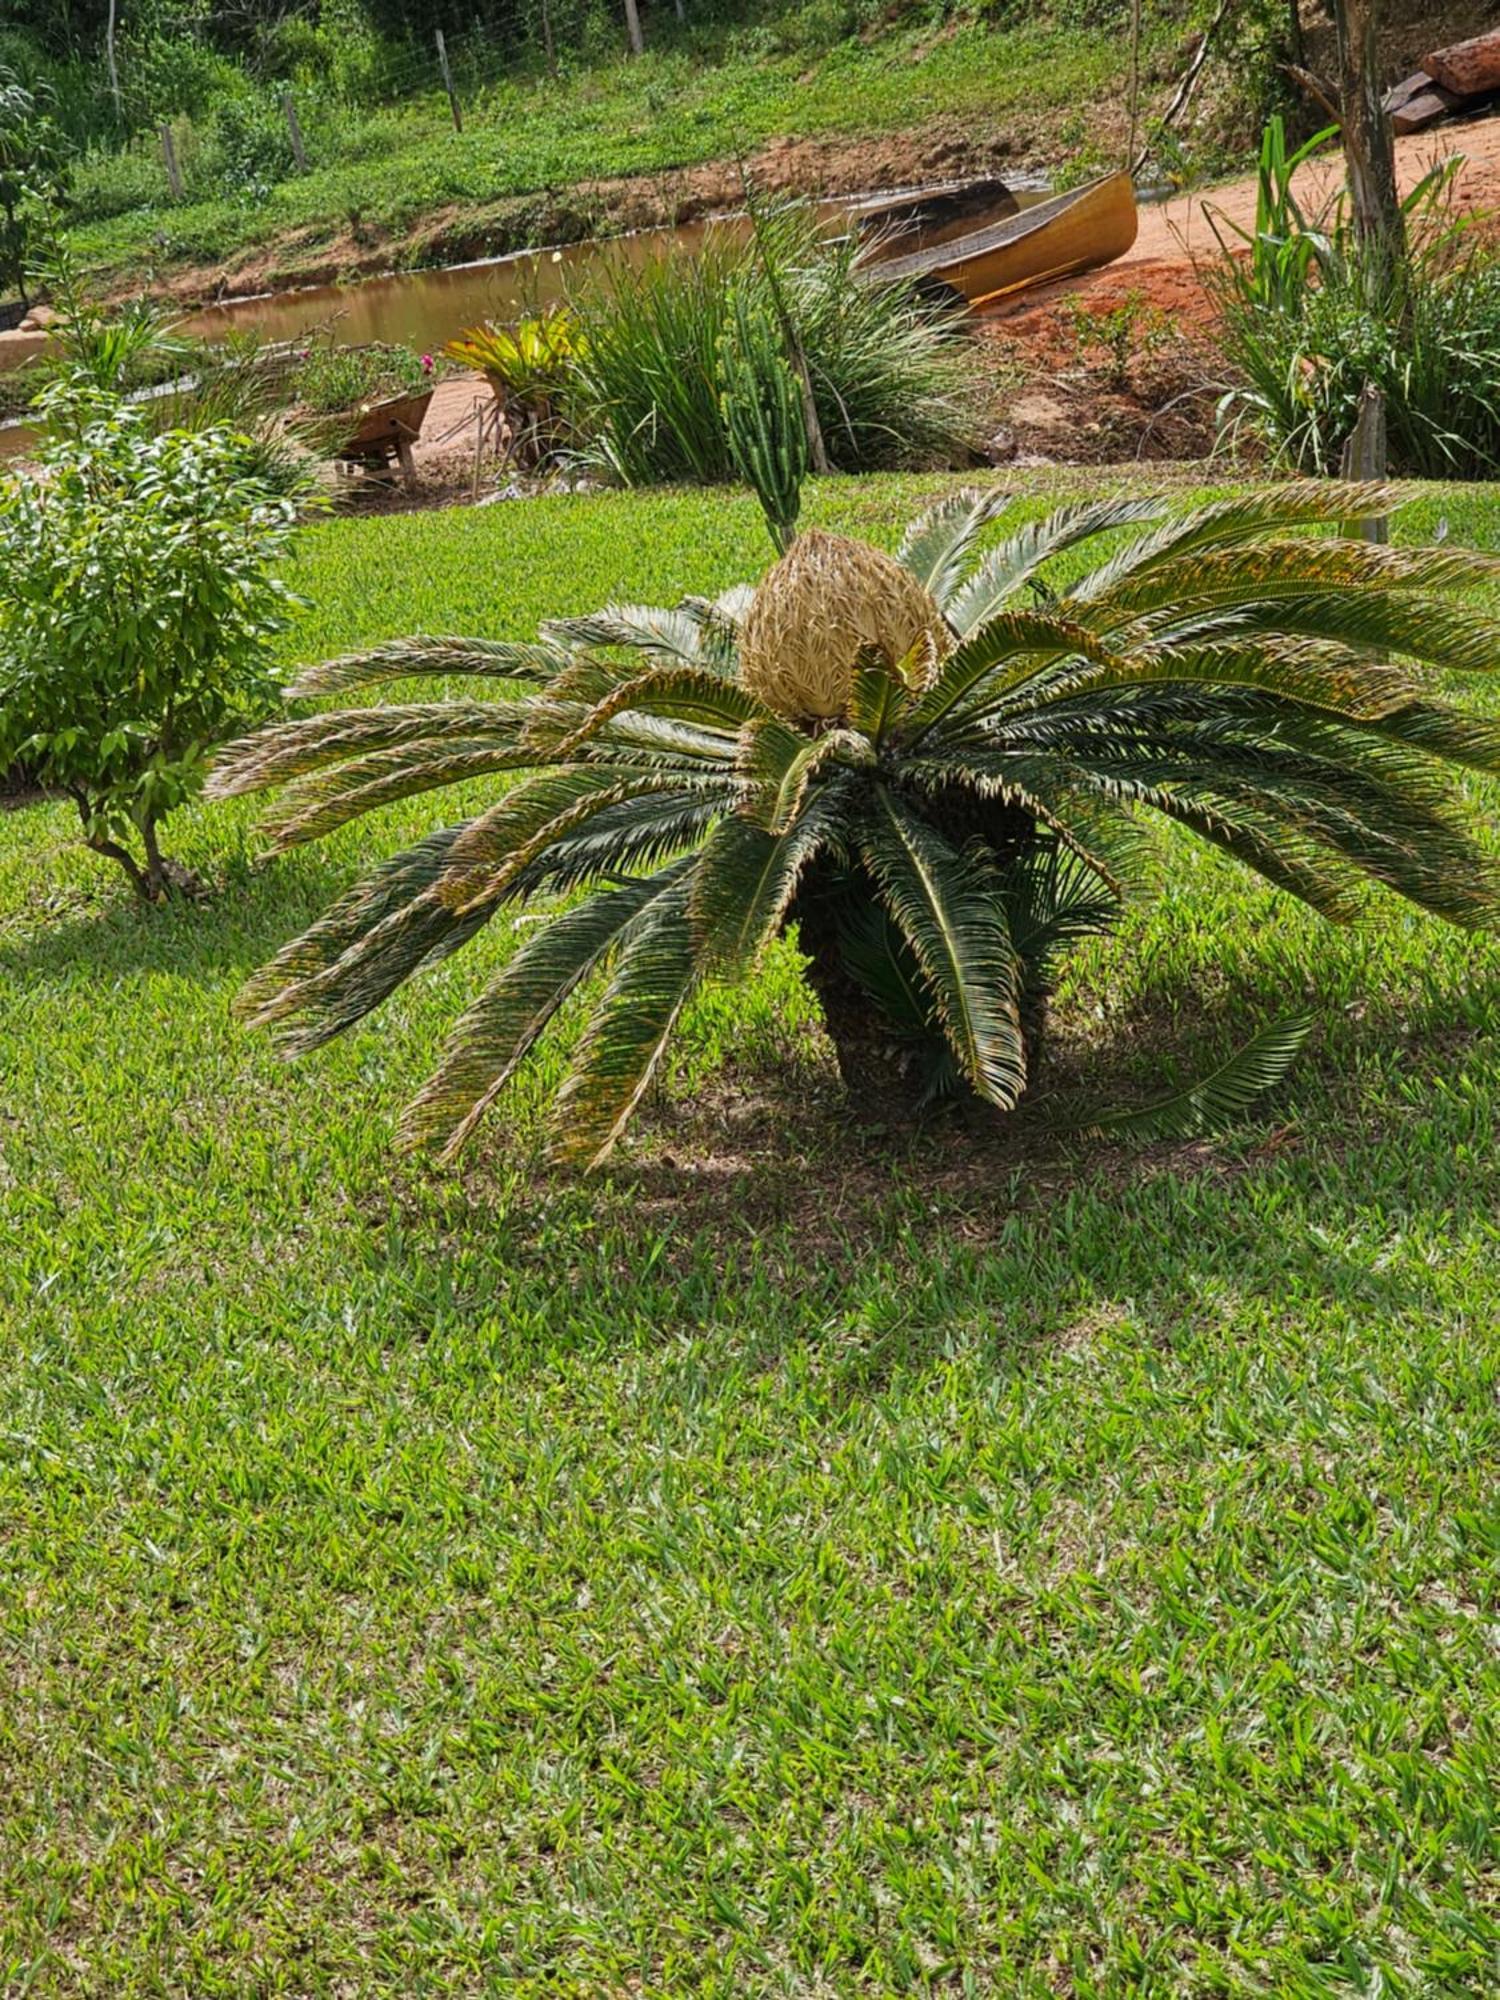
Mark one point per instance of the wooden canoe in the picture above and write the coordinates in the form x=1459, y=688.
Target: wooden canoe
x=896, y=226
x=1076, y=231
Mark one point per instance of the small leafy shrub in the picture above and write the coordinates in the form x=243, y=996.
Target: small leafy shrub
x=888, y=374
x=31, y=176
x=251, y=147
x=932, y=766
x=1122, y=333
x=1305, y=327
x=136, y=622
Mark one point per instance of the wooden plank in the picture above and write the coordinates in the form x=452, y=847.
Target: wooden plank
x=1427, y=109
x=1402, y=93
x=1471, y=68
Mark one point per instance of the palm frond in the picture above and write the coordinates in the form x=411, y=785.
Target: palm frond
x=779, y=763
x=947, y=907
x=745, y=879
x=292, y=749
x=1022, y=555
x=421, y=657
x=1254, y=572
x=1300, y=503
x=493, y=1037
x=1210, y=1105
x=938, y=545
x=1031, y=640
x=671, y=633
x=321, y=801
x=654, y=974
x=671, y=694
x=362, y=908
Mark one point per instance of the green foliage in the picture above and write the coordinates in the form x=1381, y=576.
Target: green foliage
x=950, y=835
x=1306, y=327
x=138, y=616
x=31, y=175
x=889, y=376
x=531, y=367
x=1121, y=333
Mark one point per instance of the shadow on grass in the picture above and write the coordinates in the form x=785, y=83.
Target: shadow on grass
x=762, y=1202
x=244, y=916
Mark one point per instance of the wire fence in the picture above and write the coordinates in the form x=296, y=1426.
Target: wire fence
x=181, y=121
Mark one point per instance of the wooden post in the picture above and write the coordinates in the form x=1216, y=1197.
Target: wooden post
x=294, y=131
x=1364, y=458
x=633, y=25
x=169, y=156
x=442, y=49
x=114, y=70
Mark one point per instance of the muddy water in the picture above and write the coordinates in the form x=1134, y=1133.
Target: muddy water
x=423, y=309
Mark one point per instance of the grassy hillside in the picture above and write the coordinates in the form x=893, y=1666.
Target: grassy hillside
x=400, y=185
x=795, y=1565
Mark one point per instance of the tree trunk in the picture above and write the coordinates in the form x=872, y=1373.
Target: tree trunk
x=633, y=28
x=1369, y=147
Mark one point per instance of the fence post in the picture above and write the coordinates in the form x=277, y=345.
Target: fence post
x=114, y=67
x=633, y=24
x=442, y=49
x=1364, y=458
x=294, y=131
x=169, y=156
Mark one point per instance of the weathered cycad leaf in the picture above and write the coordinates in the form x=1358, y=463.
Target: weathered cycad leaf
x=938, y=546
x=744, y=880
x=493, y=1037
x=1299, y=503
x=1210, y=1105
x=291, y=749
x=654, y=974
x=673, y=633
x=421, y=657
x=948, y=907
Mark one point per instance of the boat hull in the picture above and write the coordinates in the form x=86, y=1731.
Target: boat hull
x=1077, y=231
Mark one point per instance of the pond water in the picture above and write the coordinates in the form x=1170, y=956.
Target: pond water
x=423, y=309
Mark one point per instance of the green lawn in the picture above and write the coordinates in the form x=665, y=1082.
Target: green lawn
x=795, y=1564
x=404, y=170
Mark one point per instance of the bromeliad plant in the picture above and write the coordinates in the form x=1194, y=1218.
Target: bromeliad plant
x=933, y=766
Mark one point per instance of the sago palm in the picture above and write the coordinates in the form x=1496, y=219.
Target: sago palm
x=937, y=767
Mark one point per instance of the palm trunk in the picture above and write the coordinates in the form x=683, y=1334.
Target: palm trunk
x=1369, y=146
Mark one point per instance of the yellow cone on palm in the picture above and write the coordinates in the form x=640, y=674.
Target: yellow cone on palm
x=827, y=601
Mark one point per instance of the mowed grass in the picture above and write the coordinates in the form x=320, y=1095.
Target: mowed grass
x=800, y=1562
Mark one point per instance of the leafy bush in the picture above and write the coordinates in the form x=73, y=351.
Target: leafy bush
x=137, y=618
x=1306, y=327
x=530, y=366
x=888, y=374
x=31, y=158
x=932, y=765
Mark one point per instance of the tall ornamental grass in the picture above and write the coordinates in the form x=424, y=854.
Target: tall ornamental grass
x=889, y=372
x=1305, y=326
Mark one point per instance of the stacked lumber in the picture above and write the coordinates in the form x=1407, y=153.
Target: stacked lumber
x=1450, y=81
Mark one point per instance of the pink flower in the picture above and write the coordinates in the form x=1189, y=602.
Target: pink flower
x=426, y=364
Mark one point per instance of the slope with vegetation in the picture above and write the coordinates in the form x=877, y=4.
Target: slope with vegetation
x=824, y=98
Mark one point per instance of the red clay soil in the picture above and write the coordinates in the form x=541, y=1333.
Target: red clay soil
x=1065, y=403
